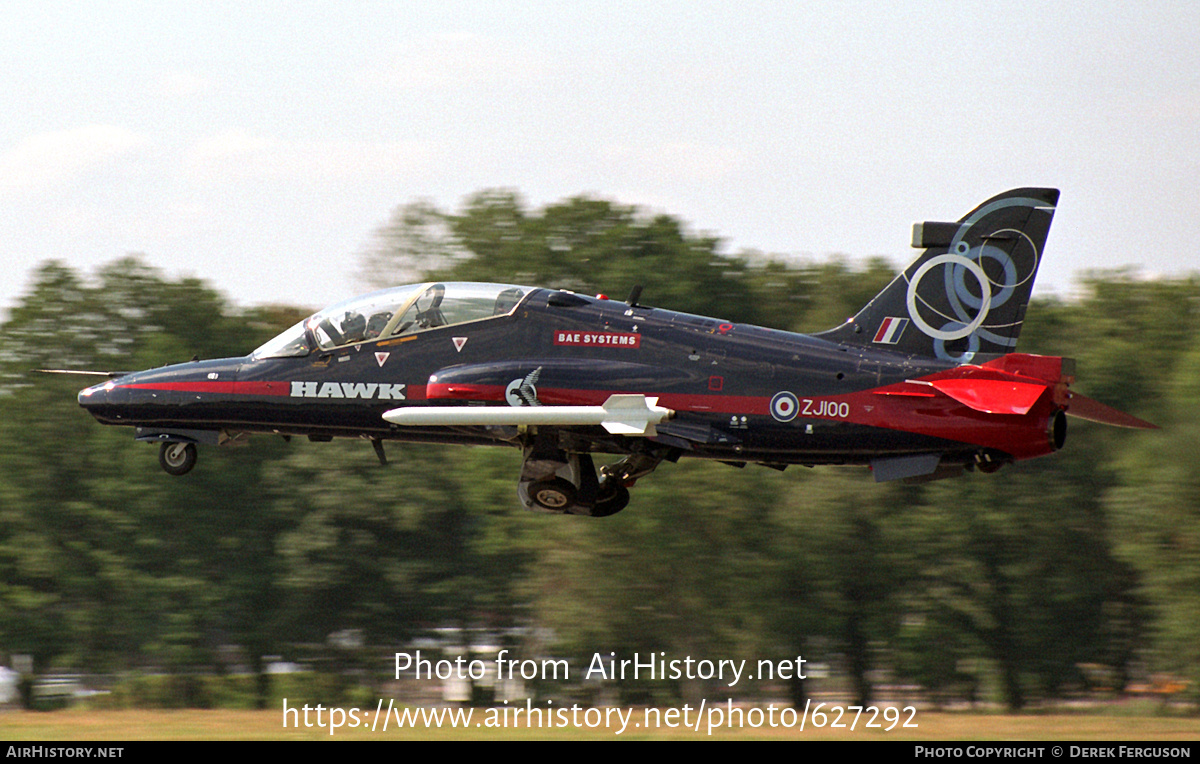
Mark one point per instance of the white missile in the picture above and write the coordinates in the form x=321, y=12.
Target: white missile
x=620, y=415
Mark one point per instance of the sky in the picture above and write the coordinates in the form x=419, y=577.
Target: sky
x=259, y=146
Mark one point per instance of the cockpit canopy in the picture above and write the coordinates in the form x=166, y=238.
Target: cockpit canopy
x=394, y=312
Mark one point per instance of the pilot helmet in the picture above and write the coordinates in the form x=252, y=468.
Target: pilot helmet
x=354, y=327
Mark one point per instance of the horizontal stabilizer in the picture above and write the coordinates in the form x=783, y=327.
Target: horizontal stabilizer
x=991, y=396
x=620, y=415
x=1093, y=410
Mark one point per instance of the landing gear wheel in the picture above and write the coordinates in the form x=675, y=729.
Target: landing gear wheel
x=177, y=458
x=613, y=500
x=555, y=494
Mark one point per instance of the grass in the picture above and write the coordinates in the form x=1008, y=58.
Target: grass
x=87, y=725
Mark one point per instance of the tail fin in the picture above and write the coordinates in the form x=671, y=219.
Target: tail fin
x=966, y=295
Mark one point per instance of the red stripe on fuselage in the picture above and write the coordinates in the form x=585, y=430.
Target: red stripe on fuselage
x=566, y=396
x=216, y=386
x=413, y=393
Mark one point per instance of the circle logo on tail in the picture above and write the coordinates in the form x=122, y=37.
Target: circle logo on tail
x=963, y=328
x=784, y=406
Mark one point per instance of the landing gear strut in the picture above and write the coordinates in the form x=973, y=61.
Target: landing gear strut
x=177, y=458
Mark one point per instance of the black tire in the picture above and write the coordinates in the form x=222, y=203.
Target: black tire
x=177, y=458
x=989, y=468
x=554, y=494
x=614, y=500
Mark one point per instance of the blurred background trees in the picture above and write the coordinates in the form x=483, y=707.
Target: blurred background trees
x=1017, y=587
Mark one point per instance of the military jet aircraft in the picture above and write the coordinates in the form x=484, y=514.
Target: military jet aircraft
x=922, y=383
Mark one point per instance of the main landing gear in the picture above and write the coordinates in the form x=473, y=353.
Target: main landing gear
x=556, y=481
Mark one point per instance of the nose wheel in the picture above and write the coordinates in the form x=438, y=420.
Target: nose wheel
x=177, y=458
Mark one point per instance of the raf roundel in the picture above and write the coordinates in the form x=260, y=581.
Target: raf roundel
x=784, y=406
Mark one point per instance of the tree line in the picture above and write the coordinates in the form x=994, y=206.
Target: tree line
x=1067, y=574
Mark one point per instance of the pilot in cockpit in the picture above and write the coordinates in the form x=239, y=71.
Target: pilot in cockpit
x=377, y=323
x=507, y=300
x=354, y=327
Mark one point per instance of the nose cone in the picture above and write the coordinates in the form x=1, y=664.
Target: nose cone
x=167, y=394
x=97, y=400
x=95, y=395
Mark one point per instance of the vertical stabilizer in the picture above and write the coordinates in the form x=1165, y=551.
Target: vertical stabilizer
x=966, y=294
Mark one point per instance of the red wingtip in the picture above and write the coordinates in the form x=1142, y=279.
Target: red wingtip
x=1093, y=410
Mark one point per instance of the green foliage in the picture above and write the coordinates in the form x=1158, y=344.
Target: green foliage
x=105, y=564
x=680, y=575
x=1156, y=514
x=843, y=545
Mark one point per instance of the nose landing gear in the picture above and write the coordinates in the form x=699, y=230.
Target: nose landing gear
x=177, y=458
